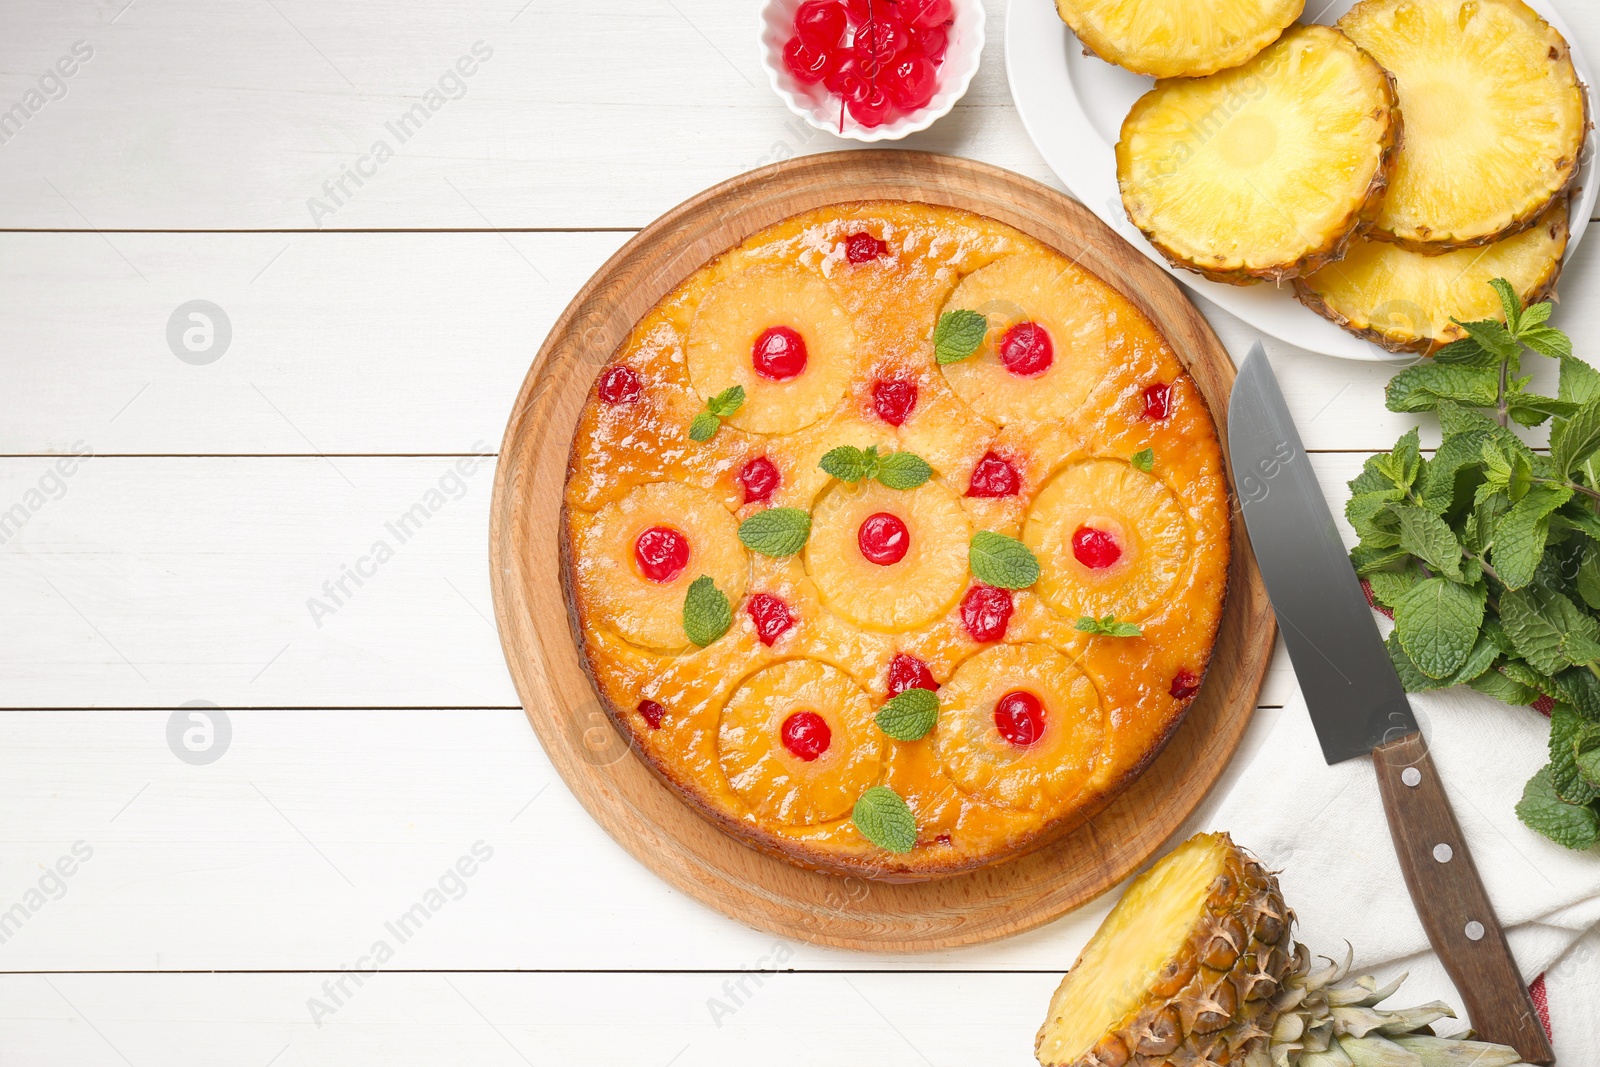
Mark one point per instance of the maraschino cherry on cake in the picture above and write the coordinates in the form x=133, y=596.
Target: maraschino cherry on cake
x=896, y=541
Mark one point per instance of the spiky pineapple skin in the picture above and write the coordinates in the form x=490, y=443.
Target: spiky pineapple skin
x=1332, y=236
x=1213, y=1002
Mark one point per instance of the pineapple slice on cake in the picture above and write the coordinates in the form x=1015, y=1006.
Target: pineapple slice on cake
x=798, y=742
x=1404, y=300
x=780, y=334
x=1020, y=726
x=1263, y=171
x=888, y=559
x=1045, y=349
x=634, y=560
x=1197, y=965
x=1177, y=38
x=1110, y=540
x=1494, y=117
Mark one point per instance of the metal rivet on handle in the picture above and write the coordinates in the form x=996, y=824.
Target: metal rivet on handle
x=1411, y=776
x=1443, y=852
x=1474, y=930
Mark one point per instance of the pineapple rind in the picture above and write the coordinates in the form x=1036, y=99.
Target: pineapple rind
x=1177, y=38
x=1495, y=118
x=1390, y=295
x=1192, y=1013
x=1299, y=211
x=1213, y=998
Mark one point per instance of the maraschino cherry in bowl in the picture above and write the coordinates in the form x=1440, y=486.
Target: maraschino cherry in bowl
x=871, y=70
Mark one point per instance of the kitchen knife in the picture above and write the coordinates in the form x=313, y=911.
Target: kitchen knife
x=1358, y=705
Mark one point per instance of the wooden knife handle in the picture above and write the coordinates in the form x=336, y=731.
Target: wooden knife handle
x=1450, y=899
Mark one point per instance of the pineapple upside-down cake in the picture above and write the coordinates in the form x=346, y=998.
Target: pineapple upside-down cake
x=896, y=541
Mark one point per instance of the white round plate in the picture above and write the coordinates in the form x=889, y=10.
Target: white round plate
x=1073, y=106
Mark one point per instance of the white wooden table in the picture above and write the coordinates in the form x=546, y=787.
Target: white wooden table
x=167, y=525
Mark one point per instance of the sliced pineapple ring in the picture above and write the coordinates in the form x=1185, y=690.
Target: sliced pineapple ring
x=1494, y=117
x=1404, y=300
x=737, y=312
x=1149, y=540
x=1047, y=290
x=1263, y=170
x=898, y=596
x=988, y=763
x=1177, y=38
x=616, y=590
x=774, y=781
x=1183, y=969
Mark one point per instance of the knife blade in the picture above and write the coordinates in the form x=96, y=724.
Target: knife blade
x=1358, y=705
x=1355, y=697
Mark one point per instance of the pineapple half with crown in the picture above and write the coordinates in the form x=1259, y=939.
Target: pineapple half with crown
x=1263, y=171
x=780, y=333
x=1177, y=38
x=1196, y=966
x=1494, y=117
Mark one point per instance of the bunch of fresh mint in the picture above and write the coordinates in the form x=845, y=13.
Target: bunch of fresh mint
x=1489, y=553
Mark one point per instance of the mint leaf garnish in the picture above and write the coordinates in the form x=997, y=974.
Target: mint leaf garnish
x=908, y=716
x=1001, y=561
x=897, y=470
x=776, y=532
x=1107, y=626
x=885, y=820
x=1575, y=826
x=957, y=335
x=1144, y=459
x=850, y=464
x=708, y=422
x=706, y=613
x=704, y=427
x=903, y=470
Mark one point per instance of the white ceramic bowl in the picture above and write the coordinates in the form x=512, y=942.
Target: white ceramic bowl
x=822, y=109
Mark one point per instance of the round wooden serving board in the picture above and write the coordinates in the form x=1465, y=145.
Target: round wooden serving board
x=633, y=806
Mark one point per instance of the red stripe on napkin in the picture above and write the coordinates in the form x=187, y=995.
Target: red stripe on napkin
x=1541, y=1004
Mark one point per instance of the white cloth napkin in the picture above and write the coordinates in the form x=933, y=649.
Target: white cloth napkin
x=1324, y=829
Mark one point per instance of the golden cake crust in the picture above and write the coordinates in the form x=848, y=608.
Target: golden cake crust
x=1123, y=687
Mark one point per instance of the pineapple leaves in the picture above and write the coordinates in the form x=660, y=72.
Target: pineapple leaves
x=1488, y=553
x=957, y=335
x=897, y=470
x=884, y=819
